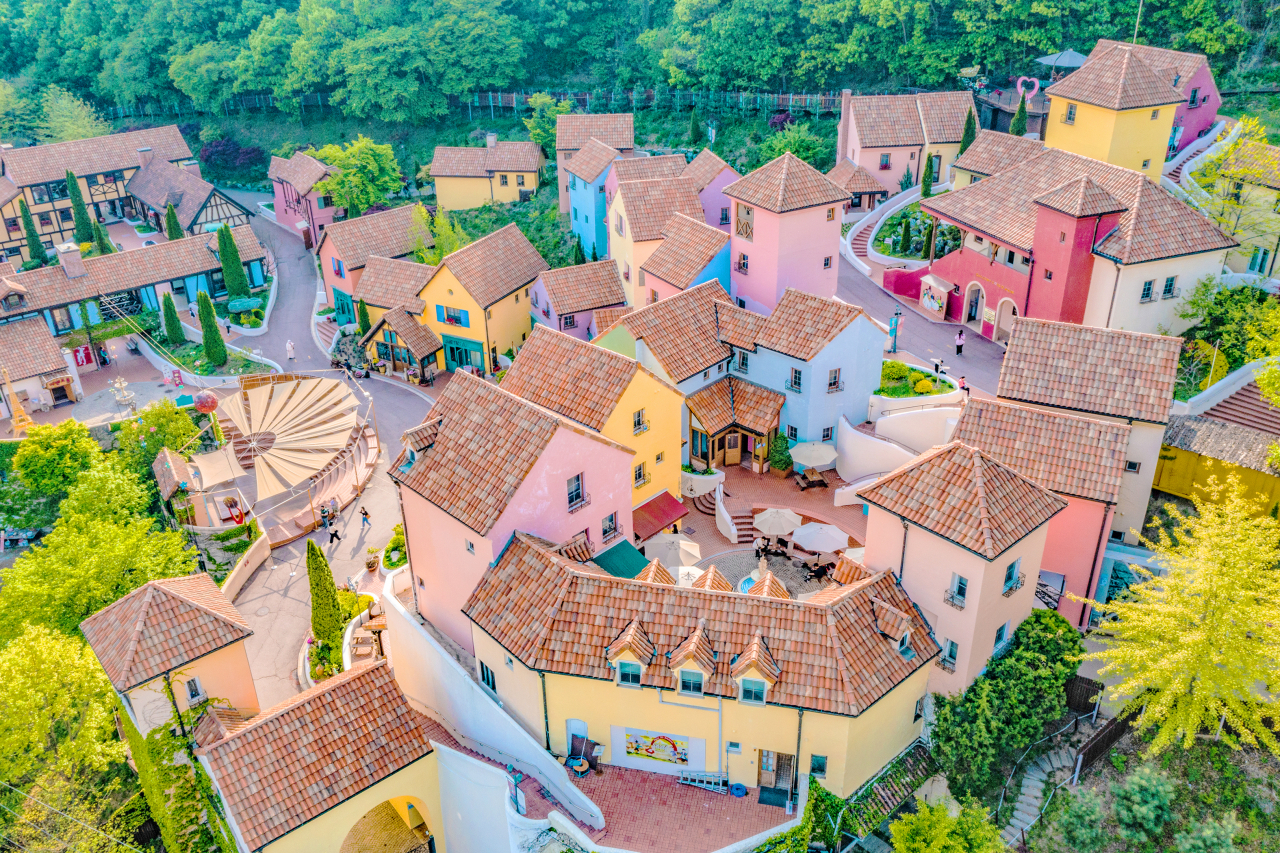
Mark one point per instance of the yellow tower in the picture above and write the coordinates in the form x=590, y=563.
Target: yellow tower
x=21, y=421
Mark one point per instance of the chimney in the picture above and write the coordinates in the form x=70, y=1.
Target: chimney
x=70, y=261
x=144, y=157
x=192, y=166
x=842, y=129
x=490, y=139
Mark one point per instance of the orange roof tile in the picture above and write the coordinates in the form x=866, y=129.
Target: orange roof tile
x=632, y=639
x=688, y=246
x=966, y=496
x=468, y=162
x=590, y=162
x=386, y=234
x=584, y=287
x=891, y=621
x=769, y=585
x=848, y=570
x=854, y=179
x=942, y=114
x=410, y=332
x=1116, y=78
x=291, y=763
x=712, y=580
x=784, y=184
x=1176, y=67
x=1091, y=370
x=650, y=168
x=386, y=282
x=1081, y=197
x=732, y=401
x=8, y=189
x=606, y=317
x=574, y=129
x=556, y=615
x=301, y=171
x=27, y=349
x=162, y=626
x=802, y=324
x=705, y=168
x=680, y=331
x=161, y=183
x=1071, y=455
x=651, y=204
x=695, y=649
x=993, y=151
x=1254, y=163
x=757, y=655
x=95, y=156
x=894, y=121
x=496, y=265
x=170, y=471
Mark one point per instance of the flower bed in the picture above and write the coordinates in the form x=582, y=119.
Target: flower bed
x=899, y=380
x=191, y=358
x=888, y=236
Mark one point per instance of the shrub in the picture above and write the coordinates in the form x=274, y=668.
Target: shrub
x=326, y=614
x=1211, y=836
x=781, y=120
x=924, y=386
x=780, y=453
x=1143, y=804
x=893, y=371
x=914, y=377
x=1081, y=823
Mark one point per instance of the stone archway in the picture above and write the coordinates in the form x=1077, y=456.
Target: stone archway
x=384, y=829
x=1005, y=313
x=975, y=302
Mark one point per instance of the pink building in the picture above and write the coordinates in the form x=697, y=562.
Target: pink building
x=567, y=298
x=786, y=233
x=298, y=206
x=1190, y=76
x=1082, y=460
x=346, y=248
x=890, y=135
x=662, y=167
x=487, y=463
x=691, y=252
x=710, y=175
x=865, y=192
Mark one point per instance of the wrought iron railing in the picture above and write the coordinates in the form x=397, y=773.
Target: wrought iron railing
x=954, y=598
x=581, y=503
x=795, y=387
x=1014, y=585
x=835, y=387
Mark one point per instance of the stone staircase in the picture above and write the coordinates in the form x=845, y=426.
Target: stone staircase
x=326, y=331
x=741, y=515
x=861, y=240
x=1050, y=769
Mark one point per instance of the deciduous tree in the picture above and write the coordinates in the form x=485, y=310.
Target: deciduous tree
x=68, y=118
x=932, y=829
x=449, y=237
x=1238, y=183
x=52, y=457
x=215, y=349
x=368, y=173
x=801, y=141
x=160, y=424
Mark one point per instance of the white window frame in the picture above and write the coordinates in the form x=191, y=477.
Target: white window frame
x=626, y=666
x=692, y=673
x=764, y=691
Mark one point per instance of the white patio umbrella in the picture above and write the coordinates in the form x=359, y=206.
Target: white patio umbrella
x=812, y=453
x=777, y=522
x=672, y=549
x=820, y=537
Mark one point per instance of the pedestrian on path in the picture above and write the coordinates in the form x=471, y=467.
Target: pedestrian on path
x=191, y=307
x=288, y=349
x=324, y=516
x=964, y=386
x=364, y=518
x=227, y=321
x=333, y=508
x=960, y=342
x=333, y=534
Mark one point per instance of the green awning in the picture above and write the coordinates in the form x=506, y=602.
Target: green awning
x=621, y=561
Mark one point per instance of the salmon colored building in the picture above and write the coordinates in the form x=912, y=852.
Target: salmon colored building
x=299, y=207
x=865, y=192
x=347, y=247
x=569, y=298
x=710, y=175
x=891, y=135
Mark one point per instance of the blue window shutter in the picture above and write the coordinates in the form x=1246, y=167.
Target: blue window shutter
x=439, y=313
x=342, y=270
x=466, y=321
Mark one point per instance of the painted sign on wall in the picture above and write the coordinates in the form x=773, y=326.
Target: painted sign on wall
x=672, y=749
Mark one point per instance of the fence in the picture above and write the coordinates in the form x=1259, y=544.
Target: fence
x=1083, y=694
x=1103, y=739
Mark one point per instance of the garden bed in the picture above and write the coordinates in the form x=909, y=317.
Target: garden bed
x=191, y=358
x=889, y=234
x=147, y=321
x=899, y=380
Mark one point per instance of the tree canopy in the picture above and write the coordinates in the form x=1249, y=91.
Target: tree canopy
x=368, y=173
x=53, y=457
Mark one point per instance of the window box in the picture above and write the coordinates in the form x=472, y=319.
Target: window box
x=1012, y=586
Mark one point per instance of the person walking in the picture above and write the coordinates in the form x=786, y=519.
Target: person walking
x=333, y=508
x=191, y=307
x=364, y=518
x=333, y=534
x=288, y=349
x=960, y=342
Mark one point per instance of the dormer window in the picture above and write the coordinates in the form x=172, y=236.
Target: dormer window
x=904, y=646
x=628, y=673
x=753, y=690
x=691, y=682
x=13, y=301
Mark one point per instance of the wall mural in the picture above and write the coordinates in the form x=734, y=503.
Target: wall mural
x=657, y=747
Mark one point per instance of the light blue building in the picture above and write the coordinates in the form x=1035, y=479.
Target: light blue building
x=588, y=214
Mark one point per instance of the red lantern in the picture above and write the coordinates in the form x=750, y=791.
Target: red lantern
x=205, y=402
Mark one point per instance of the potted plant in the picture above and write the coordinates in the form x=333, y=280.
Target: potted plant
x=373, y=556
x=780, y=456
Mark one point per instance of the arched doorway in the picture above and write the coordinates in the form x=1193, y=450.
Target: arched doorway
x=398, y=825
x=1004, y=320
x=974, y=303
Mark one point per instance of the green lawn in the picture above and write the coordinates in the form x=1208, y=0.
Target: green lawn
x=190, y=357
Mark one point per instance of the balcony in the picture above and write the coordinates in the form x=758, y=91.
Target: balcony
x=743, y=229
x=740, y=267
x=639, y=428
x=1014, y=585
x=737, y=367
x=1171, y=294
x=954, y=598
x=1150, y=297
x=643, y=481
x=794, y=387
x=835, y=387
x=946, y=664
x=546, y=312
x=582, y=503
x=611, y=535
x=884, y=167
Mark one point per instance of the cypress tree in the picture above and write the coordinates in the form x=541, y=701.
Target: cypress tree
x=928, y=238
x=362, y=314
x=970, y=131
x=172, y=229
x=926, y=182
x=594, y=256
x=34, y=245
x=214, y=348
x=326, y=615
x=101, y=242
x=232, y=268
x=578, y=256
x=79, y=213
x=904, y=239
x=1019, y=125
x=173, y=333
x=695, y=128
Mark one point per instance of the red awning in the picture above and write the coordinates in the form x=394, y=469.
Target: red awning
x=657, y=513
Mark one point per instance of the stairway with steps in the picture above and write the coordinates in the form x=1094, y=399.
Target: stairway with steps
x=1043, y=774
x=874, y=844
x=741, y=515
x=861, y=240
x=326, y=332
x=706, y=504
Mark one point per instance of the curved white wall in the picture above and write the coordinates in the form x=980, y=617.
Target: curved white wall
x=920, y=429
x=859, y=455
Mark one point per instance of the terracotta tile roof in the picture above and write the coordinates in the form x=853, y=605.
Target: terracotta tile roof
x=8, y=190
x=579, y=380
x=574, y=129
x=1086, y=369
x=320, y=748
x=1116, y=78
x=680, y=331
x=943, y=113
x=1174, y=66
x=740, y=327
x=890, y=621
x=496, y=265
x=584, y=287
x=49, y=287
x=783, y=184
x=591, y=160
x=27, y=349
x=712, y=580
x=557, y=616
x=1248, y=408
x=1239, y=445
x=656, y=514
x=705, y=168
x=1070, y=455
x=769, y=585
x=1254, y=163
x=688, y=246
x=854, y=179
x=803, y=324
x=651, y=204
x=606, y=317
x=966, y=496
x=848, y=570
x=992, y=152
x=757, y=655
x=695, y=649
x=1081, y=197
x=731, y=401
x=170, y=470
x=411, y=333
x=217, y=723
x=892, y=121
x=1154, y=225
x=650, y=168
x=386, y=282
x=632, y=639
x=473, y=445
x=162, y=626
x=301, y=171
x=162, y=183
x=386, y=234
x=94, y=156
x=460, y=162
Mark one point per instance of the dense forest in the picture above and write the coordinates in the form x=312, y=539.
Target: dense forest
x=401, y=61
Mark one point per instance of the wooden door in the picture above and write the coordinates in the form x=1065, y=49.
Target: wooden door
x=717, y=452
x=733, y=449
x=765, y=761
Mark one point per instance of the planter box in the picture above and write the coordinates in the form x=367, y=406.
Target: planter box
x=780, y=473
x=696, y=485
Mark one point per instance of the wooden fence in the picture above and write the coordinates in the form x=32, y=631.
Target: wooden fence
x=1083, y=694
x=1103, y=739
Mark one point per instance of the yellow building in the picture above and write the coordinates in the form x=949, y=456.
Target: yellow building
x=616, y=397
x=637, y=213
x=1198, y=448
x=472, y=177
x=752, y=688
x=477, y=302
x=1115, y=108
x=1248, y=197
